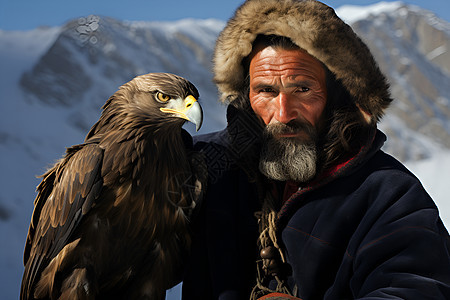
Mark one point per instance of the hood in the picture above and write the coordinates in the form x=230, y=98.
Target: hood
x=313, y=26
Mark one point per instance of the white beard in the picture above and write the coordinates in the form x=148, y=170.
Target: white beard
x=288, y=158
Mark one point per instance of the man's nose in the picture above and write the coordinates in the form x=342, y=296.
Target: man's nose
x=287, y=110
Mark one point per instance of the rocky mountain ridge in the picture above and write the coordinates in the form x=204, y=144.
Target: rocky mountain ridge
x=94, y=55
x=412, y=47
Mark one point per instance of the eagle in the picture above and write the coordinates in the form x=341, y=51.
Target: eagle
x=111, y=217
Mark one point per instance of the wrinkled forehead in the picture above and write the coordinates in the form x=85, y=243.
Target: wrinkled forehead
x=273, y=60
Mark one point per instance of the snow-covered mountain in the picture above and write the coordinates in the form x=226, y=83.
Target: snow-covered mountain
x=412, y=47
x=92, y=56
x=53, y=82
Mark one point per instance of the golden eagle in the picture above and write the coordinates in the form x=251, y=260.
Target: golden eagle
x=111, y=217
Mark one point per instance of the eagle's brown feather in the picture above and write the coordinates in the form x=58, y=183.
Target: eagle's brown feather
x=111, y=217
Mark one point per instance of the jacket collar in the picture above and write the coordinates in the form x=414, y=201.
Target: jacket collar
x=343, y=169
x=374, y=143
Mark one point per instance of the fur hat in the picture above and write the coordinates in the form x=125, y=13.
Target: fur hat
x=314, y=27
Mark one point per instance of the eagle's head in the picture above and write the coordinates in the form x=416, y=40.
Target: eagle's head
x=164, y=96
x=153, y=100
x=150, y=101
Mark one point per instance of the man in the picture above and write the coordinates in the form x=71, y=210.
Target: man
x=301, y=200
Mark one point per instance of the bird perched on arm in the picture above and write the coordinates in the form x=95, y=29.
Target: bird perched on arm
x=111, y=217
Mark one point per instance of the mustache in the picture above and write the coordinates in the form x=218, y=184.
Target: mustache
x=292, y=127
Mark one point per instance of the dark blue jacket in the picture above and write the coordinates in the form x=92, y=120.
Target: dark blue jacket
x=367, y=231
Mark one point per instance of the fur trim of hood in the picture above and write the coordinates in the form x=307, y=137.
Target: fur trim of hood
x=314, y=27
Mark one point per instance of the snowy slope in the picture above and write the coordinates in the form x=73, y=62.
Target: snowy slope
x=434, y=173
x=54, y=80
x=19, y=162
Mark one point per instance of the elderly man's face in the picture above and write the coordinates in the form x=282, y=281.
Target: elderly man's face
x=288, y=92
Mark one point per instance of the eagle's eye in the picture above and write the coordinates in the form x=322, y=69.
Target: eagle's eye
x=162, y=97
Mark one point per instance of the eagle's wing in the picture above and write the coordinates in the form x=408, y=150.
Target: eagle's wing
x=65, y=195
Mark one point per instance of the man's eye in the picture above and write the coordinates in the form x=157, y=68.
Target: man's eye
x=267, y=90
x=304, y=89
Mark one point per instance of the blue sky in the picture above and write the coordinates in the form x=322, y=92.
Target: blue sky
x=29, y=14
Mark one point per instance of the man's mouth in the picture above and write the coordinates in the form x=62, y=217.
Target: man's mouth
x=300, y=134
x=295, y=130
x=288, y=135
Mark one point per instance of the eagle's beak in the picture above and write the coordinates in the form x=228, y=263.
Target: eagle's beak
x=188, y=109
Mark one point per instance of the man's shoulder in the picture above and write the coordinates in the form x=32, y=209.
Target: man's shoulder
x=384, y=164
x=393, y=182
